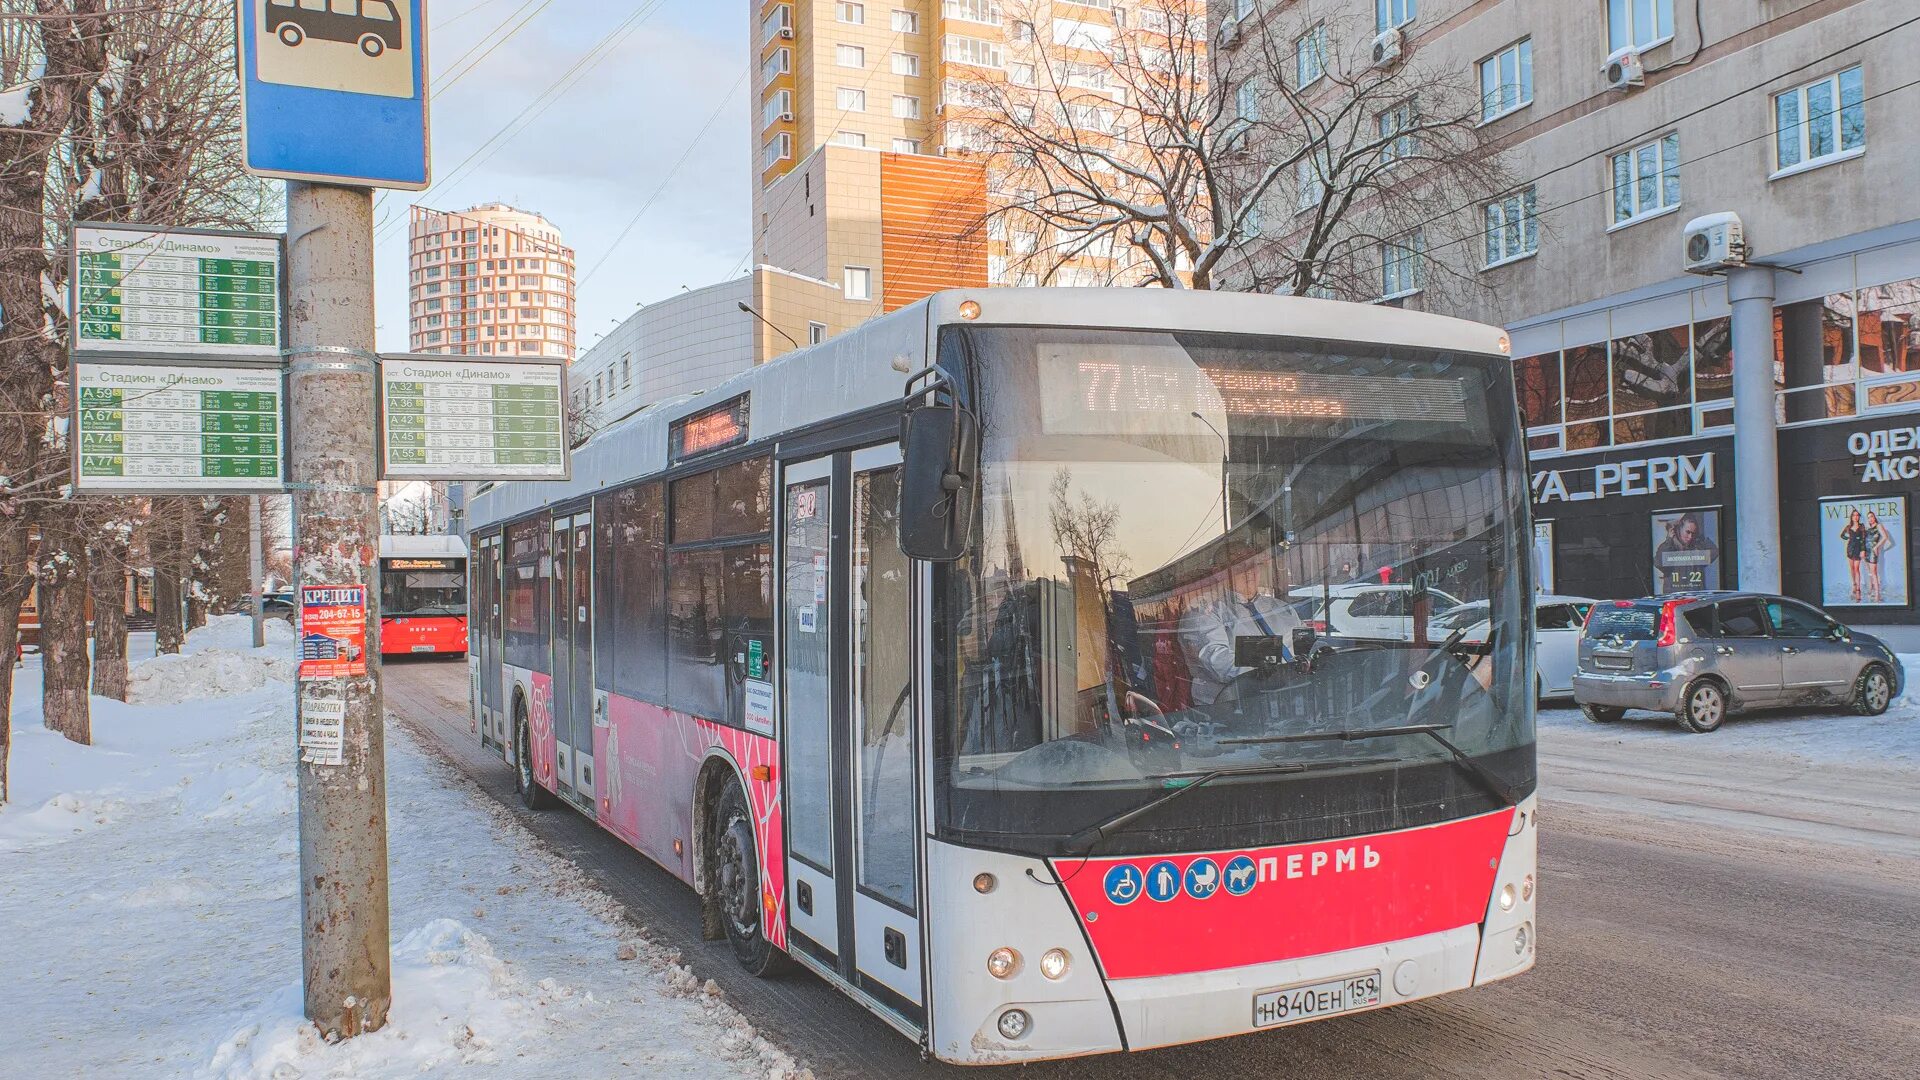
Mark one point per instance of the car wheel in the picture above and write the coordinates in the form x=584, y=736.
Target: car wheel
x=290, y=35
x=1704, y=707
x=372, y=45
x=1874, y=692
x=532, y=795
x=1602, y=714
x=736, y=884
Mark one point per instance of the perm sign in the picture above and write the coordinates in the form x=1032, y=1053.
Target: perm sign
x=335, y=91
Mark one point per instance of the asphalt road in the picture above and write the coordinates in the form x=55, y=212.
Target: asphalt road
x=1703, y=914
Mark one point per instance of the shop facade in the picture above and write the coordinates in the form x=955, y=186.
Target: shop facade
x=1636, y=458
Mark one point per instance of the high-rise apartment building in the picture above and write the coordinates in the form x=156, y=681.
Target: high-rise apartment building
x=489, y=281
x=908, y=78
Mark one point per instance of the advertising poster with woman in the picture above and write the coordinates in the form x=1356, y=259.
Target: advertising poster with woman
x=1863, y=552
x=1686, y=551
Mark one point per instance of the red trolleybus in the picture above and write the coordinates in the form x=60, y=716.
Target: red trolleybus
x=957, y=659
x=423, y=595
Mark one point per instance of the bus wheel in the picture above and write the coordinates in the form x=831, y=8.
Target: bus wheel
x=372, y=45
x=735, y=881
x=532, y=795
x=291, y=35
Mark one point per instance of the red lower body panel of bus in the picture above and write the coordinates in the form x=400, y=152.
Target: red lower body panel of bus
x=423, y=634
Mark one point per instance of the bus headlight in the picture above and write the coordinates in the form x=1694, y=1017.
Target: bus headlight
x=1506, y=898
x=1526, y=888
x=1521, y=938
x=1014, y=1024
x=1054, y=963
x=1002, y=963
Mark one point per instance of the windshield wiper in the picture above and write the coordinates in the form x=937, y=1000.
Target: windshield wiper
x=1082, y=842
x=1495, y=786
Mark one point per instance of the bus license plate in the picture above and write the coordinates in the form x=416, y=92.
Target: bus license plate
x=1297, y=1003
x=423, y=648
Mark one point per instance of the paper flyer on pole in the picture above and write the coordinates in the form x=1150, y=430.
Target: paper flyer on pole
x=333, y=631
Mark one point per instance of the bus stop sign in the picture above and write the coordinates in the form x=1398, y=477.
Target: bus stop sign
x=335, y=91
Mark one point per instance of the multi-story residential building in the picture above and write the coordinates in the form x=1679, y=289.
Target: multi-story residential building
x=904, y=80
x=1754, y=425
x=491, y=281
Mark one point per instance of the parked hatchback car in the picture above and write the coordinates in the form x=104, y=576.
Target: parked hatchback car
x=1704, y=656
x=1556, y=634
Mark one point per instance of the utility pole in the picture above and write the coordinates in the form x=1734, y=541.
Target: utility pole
x=343, y=807
x=256, y=569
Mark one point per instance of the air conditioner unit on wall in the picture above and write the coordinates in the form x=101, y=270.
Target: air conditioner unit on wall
x=787, y=32
x=1388, y=47
x=1716, y=242
x=786, y=118
x=1624, y=71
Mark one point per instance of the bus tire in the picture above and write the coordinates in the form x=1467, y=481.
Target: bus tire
x=532, y=795
x=1703, y=708
x=372, y=45
x=291, y=35
x=1874, y=692
x=735, y=884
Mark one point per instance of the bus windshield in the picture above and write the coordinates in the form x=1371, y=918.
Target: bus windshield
x=416, y=593
x=1206, y=553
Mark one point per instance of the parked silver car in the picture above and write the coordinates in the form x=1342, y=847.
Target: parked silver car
x=1705, y=655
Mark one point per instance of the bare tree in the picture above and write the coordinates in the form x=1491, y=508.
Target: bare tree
x=1155, y=159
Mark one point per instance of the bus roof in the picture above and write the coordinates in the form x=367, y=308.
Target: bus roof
x=402, y=546
x=867, y=366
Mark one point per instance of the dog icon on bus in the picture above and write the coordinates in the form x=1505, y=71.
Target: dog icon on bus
x=374, y=25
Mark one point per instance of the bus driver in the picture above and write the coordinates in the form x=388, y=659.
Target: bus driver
x=1208, y=630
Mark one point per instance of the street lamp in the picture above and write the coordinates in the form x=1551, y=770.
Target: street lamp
x=1225, y=528
x=744, y=306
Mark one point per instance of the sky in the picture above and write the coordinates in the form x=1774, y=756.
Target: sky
x=590, y=158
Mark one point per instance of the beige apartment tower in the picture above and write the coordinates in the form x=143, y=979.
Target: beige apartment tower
x=490, y=281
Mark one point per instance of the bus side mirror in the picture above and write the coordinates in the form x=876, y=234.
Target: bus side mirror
x=938, y=483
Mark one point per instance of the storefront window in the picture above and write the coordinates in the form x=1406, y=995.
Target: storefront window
x=1667, y=424
x=1890, y=328
x=1813, y=353
x=1538, y=379
x=1589, y=436
x=1650, y=371
x=1713, y=359
x=1587, y=383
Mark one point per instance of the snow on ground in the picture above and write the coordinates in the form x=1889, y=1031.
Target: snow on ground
x=149, y=906
x=1836, y=736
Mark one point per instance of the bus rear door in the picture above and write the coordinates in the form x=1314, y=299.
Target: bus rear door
x=851, y=761
x=573, y=656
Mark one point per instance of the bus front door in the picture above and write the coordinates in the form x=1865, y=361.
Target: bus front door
x=573, y=657
x=848, y=727
x=484, y=613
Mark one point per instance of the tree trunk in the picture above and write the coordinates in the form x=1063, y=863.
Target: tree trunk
x=169, y=632
x=63, y=626
x=107, y=582
x=188, y=555
x=10, y=640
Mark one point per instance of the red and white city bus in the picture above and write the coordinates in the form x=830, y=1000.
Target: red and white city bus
x=980, y=691
x=423, y=595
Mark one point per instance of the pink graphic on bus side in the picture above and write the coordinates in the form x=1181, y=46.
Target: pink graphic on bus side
x=540, y=729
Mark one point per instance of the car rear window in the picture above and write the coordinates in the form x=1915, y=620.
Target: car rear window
x=1630, y=623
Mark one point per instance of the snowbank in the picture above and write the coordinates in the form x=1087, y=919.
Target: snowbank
x=149, y=902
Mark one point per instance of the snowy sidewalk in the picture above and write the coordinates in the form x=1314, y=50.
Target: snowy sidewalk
x=149, y=910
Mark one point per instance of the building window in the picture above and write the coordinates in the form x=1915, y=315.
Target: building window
x=852, y=138
x=1512, y=229
x=1403, y=269
x=779, y=148
x=1646, y=180
x=1820, y=122
x=777, y=20
x=906, y=107
x=906, y=22
x=1310, y=56
x=906, y=146
x=779, y=107
x=978, y=52
x=1396, y=131
x=858, y=283
x=1021, y=32
x=1638, y=24
x=816, y=333
x=1506, y=80
x=1388, y=14
x=1310, y=180
x=1246, y=101
x=850, y=56
x=1021, y=74
x=851, y=100
x=778, y=62
x=626, y=370
x=906, y=64
x=851, y=13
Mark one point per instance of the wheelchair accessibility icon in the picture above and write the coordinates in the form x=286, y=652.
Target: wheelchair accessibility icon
x=1124, y=884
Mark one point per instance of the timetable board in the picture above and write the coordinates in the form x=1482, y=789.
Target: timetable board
x=472, y=418
x=175, y=294
x=146, y=428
